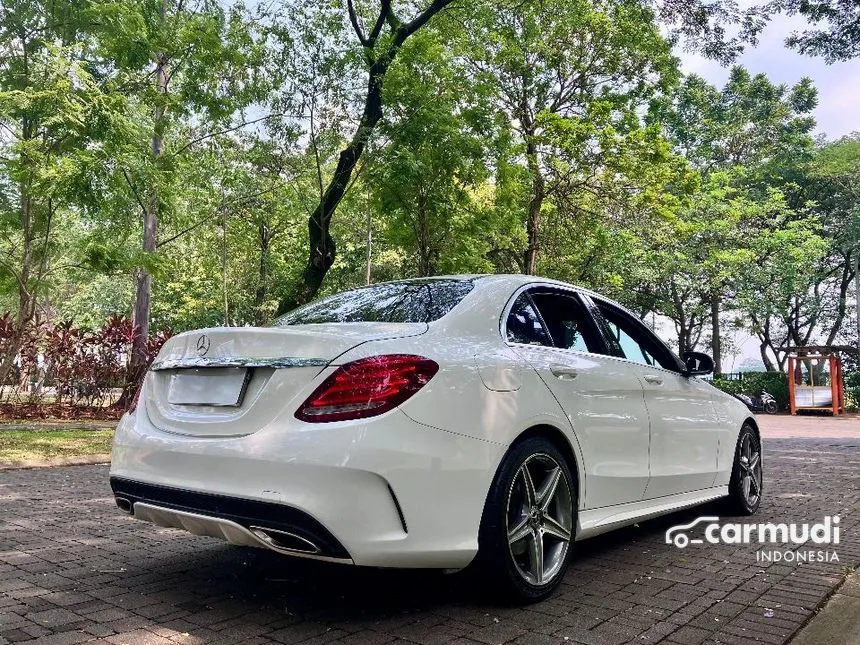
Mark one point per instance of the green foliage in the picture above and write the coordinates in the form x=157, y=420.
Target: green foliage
x=568, y=81
x=774, y=383
x=425, y=176
x=557, y=137
x=838, y=39
x=852, y=390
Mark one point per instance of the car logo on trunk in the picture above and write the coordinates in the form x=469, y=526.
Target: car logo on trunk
x=202, y=344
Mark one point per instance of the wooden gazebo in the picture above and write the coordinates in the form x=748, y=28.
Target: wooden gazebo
x=810, y=385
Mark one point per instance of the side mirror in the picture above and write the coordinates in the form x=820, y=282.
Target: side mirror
x=698, y=364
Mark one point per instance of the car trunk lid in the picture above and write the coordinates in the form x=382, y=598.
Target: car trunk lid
x=232, y=381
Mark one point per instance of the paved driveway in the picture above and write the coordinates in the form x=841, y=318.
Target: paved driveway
x=74, y=569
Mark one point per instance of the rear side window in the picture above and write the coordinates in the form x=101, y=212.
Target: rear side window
x=524, y=326
x=567, y=322
x=408, y=301
x=553, y=320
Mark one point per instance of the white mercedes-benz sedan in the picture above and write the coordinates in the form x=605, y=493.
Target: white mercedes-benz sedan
x=433, y=423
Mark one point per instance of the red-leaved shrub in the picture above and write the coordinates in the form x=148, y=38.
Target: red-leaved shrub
x=65, y=371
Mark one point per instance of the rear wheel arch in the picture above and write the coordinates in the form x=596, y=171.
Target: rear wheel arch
x=750, y=421
x=561, y=441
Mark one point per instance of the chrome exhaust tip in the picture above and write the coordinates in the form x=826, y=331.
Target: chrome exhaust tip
x=284, y=541
x=124, y=505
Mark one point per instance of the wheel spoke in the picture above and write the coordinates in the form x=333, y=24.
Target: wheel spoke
x=520, y=531
x=755, y=461
x=531, y=496
x=746, y=487
x=553, y=527
x=754, y=486
x=537, y=557
x=547, y=491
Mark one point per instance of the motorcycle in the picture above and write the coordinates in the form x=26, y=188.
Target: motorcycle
x=763, y=402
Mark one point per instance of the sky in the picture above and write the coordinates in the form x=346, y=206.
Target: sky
x=838, y=111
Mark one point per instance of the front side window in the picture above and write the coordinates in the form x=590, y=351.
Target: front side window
x=636, y=342
x=408, y=301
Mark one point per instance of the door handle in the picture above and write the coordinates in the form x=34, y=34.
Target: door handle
x=653, y=379
x=563, y=373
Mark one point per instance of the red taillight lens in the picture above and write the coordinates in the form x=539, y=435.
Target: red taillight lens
x=367, y=387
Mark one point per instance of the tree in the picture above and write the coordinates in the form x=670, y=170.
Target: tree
x=568, y=78
x=751, y=124
x=431, y=161
x=828, y=186
x=381, y=36
x=54, y=113
x=838, y=40
x=188, y=70
x=381, y=33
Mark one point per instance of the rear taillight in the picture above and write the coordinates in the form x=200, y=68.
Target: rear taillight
x=367, y=387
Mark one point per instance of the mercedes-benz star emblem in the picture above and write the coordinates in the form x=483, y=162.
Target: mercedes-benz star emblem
x=203, y=344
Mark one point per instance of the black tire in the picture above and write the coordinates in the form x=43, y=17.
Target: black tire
x=746, y=480
x=507, y=564
x=771, y=407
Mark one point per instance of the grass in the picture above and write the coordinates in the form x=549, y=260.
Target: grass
x=27, y=445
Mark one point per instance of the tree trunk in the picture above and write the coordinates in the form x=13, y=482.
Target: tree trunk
x=260, y=317
x=26, y=298
x=33, y=266
x=322, y=246
x=369, y=243
x=681, y=323
x=533, y=220
x=768, y=364
x=857, y=299
x=322, y=251
x=716, y=348
x=143, y=279
x=683, y=340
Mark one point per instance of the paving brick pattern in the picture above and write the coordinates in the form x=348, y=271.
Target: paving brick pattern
x=73, y=569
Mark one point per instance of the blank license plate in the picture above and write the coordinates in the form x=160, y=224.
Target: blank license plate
x=218, y=386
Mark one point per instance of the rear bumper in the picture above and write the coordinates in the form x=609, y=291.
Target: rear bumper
x=239, y=521
x=379, y=492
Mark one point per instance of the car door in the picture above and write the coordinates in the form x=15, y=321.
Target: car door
x=685, y=429
x=601, y=396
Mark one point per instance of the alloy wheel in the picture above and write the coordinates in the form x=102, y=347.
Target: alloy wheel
x=750, y=470
x=539, y=519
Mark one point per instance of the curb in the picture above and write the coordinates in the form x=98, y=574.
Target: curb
x=50, y=462
x=834, y=623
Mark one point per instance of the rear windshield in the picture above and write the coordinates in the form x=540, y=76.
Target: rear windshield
x=394, y=302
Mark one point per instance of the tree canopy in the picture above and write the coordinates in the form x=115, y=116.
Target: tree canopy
x=207, y=163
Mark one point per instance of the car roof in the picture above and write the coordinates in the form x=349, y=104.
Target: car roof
x=514, y=280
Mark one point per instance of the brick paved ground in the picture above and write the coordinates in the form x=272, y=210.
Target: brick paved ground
x=74, y=569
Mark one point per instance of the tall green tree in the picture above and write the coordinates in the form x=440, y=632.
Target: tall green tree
x=433, y=157
x=568, y=79
x=55, y=113
x=381, y=32
x=188, y=70
x=751, y=124
x=828, y=185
